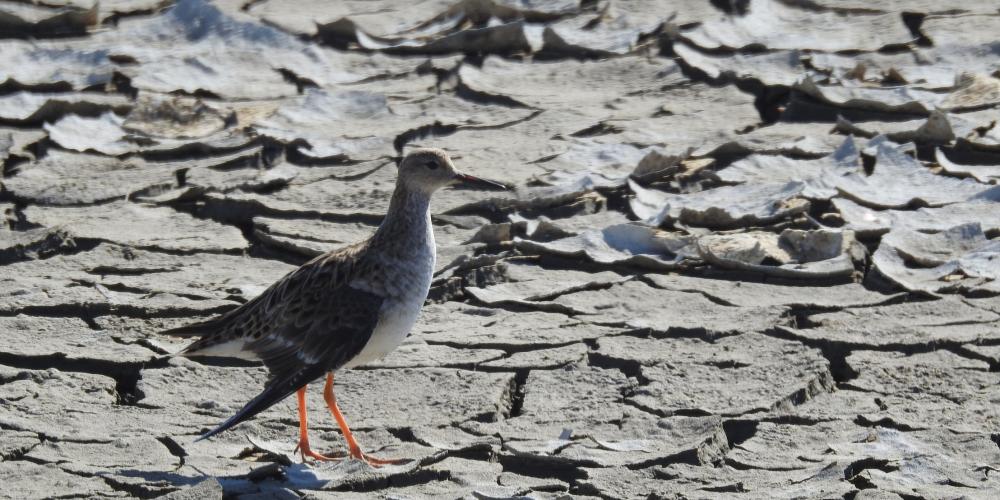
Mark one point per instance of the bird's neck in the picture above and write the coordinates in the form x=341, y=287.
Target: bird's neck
x=408, y=220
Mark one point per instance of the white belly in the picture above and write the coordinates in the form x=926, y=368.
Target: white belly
x=391, y=330
x=400, y=310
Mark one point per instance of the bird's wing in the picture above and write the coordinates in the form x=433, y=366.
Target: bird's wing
x=281, y=313
x=316, y=323
x=311, y=322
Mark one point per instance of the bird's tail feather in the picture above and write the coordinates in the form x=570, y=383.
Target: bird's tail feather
x=198, y=329
x=276, y=390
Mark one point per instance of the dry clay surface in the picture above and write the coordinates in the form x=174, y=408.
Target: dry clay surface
x=753, y=250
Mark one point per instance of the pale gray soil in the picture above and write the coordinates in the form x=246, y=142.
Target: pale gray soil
x=754, y=249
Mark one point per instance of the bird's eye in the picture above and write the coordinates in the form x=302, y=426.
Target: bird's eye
x=431, y=164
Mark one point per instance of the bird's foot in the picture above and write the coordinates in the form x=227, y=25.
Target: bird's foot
x=357, y=454
x=305, y=451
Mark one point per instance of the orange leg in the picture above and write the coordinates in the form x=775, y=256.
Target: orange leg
x=352, y=444
x=303, y=446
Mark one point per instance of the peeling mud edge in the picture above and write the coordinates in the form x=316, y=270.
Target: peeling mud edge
x=469, y=94
x=242, y=220
x=709, y=454
x=823, y=382
x=776, y=103
x=419, y=475
x=92, y=310
x=516, y=394
x=739, y=275
x=55, y=243
x=126, y=375
x=482, y=452
x=892, y=297
x=134, y=490
x=509, y=349
x=479, y=367
x=544, y=468
x=240, y=214
x=852, y=473
x=516, y=306
x=836, y=352
x=799, y=315
x=770, y=101
x=630, y=368
x=415, y=477
x=675, y=332
x=175, y=449
x=20, y=453
x=438, y=129
x=739, y=430
x=543, y=302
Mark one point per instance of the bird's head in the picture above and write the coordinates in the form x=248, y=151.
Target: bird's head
x=430, y=169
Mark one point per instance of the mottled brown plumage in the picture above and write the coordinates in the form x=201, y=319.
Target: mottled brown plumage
x=310, y=322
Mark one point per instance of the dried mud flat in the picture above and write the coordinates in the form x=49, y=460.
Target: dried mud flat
x=754, y=250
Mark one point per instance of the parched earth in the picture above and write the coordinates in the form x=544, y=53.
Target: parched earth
x=754, y=249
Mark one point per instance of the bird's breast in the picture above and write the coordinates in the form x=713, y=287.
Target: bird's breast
x=404, y=290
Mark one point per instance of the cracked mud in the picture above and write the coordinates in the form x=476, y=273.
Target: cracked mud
x=753, y=250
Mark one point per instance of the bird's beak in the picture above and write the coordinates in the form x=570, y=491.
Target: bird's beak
x=472, y=182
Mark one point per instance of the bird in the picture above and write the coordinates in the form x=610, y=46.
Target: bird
x=342, y=309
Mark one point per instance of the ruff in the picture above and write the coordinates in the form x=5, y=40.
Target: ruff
x=342, y=309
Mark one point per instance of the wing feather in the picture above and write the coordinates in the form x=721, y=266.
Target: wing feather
x=310, y=322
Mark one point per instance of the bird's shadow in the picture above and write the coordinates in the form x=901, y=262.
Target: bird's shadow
x=289, y=476
x=276, y=475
